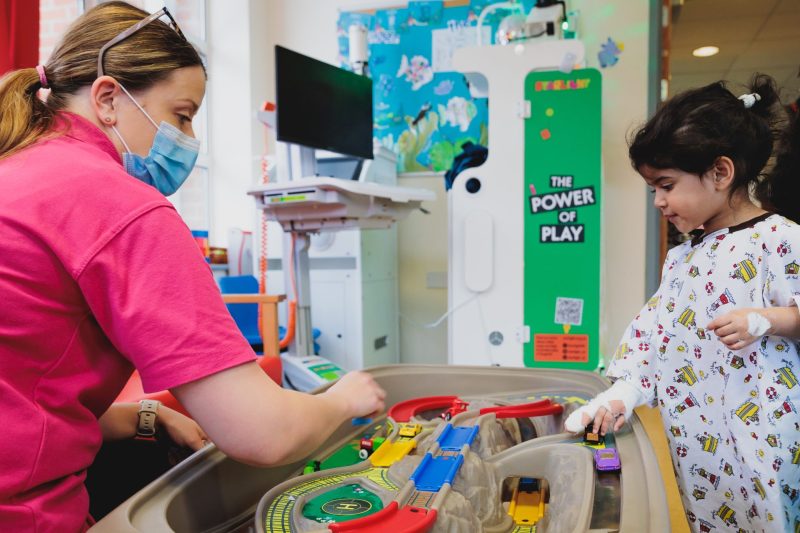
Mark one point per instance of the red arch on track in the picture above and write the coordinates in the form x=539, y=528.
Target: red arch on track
x=403, y=411
x=390, y=518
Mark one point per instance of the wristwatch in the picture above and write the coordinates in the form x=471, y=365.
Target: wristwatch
x=148, y=413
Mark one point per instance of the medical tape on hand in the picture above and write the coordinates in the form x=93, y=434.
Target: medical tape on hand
x=757, y=324
x=629, y=395
x=574, y=422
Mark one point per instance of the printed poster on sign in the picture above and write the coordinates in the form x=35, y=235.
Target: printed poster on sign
x=562, y=195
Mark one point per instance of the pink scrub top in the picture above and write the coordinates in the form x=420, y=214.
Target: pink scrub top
x=98, y=275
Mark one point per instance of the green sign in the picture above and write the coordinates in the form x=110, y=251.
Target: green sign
x=562, y=219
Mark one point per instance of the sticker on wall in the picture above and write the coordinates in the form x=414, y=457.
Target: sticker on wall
x=417, y=71
x=569, y=312
x=551, y=347
x=608, y=56
x=387, y=27
x=458, y=113
x=425, y=12
x=444, y=88
x=457, y=35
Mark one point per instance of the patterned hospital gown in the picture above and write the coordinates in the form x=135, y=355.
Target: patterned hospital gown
x=730, y=415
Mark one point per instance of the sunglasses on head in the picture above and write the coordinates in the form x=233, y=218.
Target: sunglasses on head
x=133, y=29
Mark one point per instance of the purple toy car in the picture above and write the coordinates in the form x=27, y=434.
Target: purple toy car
x=606, y=459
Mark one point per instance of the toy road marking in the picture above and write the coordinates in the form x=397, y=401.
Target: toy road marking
x=421, y=499
x=279, y=514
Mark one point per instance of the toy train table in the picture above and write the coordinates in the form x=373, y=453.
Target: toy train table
x=461, y=449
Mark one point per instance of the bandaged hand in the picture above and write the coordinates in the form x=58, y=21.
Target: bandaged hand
x=740, y=328
x=609, y=409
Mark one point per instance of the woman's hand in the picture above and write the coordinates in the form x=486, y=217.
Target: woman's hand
x=182, y=430
x=360, y=395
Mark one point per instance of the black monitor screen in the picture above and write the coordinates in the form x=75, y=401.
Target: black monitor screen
x=322, y=106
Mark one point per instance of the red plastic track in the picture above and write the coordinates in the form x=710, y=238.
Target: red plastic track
x=390, y=518
x=403, y=411
x=526, y=410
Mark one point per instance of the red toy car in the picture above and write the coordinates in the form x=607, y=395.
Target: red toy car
x=459, y=406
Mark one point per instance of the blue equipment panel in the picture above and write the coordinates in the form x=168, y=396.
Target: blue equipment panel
x=453, y=438
x=433, y=472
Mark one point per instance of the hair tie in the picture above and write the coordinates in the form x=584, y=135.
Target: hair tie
x=42, y=76
x=750, y=100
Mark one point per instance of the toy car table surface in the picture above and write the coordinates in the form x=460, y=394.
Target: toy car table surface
x=503, y=464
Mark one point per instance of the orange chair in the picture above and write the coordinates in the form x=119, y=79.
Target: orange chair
x=270, y=361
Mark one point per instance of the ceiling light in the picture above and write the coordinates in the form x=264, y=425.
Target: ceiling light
x=705, y=51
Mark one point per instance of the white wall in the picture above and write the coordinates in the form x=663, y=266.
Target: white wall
x=233, y=94
x=241, y=76
x=625, y=100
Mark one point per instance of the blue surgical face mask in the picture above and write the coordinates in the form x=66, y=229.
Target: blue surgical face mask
x=171, y=158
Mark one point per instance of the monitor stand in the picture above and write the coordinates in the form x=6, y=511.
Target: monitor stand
x=314, y=204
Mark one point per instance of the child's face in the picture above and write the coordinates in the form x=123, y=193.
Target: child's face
x=687, y=200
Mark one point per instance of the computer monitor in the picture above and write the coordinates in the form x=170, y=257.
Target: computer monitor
x=322, y=106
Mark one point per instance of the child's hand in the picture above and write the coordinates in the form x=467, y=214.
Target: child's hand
x=182, y=430
x=609, y=419
x=602, y=418
x=740, y=328
x=610, y=409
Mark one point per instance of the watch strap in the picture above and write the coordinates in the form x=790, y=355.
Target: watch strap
x=148, y=413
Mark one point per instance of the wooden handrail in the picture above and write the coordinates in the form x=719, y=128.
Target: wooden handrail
x=269, y=317
x=253, y=298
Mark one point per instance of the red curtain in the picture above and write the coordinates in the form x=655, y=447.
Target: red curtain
x=19, y=34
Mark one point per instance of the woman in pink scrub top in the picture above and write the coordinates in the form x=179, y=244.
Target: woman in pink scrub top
x=99, y=275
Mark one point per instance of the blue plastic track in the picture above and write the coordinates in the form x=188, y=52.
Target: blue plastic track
x=454, y=438
x=433, y=472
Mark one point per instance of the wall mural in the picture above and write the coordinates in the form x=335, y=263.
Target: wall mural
x=423, y=111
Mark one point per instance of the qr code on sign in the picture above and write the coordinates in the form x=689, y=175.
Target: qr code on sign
x=569, y=311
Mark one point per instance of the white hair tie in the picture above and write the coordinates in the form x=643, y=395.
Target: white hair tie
x=750, y=99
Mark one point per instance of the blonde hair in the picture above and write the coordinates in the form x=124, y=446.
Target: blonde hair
x=143, y=59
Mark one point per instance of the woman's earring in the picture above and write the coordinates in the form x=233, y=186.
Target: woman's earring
x=108, y=119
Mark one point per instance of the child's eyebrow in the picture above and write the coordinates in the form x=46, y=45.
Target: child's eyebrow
x=655, y=181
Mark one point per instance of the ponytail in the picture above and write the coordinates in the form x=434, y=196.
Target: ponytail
x=146, y=57
x=24, y=117
x=780, y=191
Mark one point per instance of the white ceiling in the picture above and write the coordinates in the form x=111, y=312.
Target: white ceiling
x=752, y=36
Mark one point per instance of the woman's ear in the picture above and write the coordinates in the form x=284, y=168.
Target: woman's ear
x=723, y=172
x=104, y=94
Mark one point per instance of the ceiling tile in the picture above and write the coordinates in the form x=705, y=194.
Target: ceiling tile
x=788, y=5
x=772, y=53
x=781, y=25
x=732, y=25
x=722, y=30
x=709, y=11
x=682, y=61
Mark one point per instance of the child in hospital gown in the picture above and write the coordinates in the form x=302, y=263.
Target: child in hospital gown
x=729, y=405
x=730, y=415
